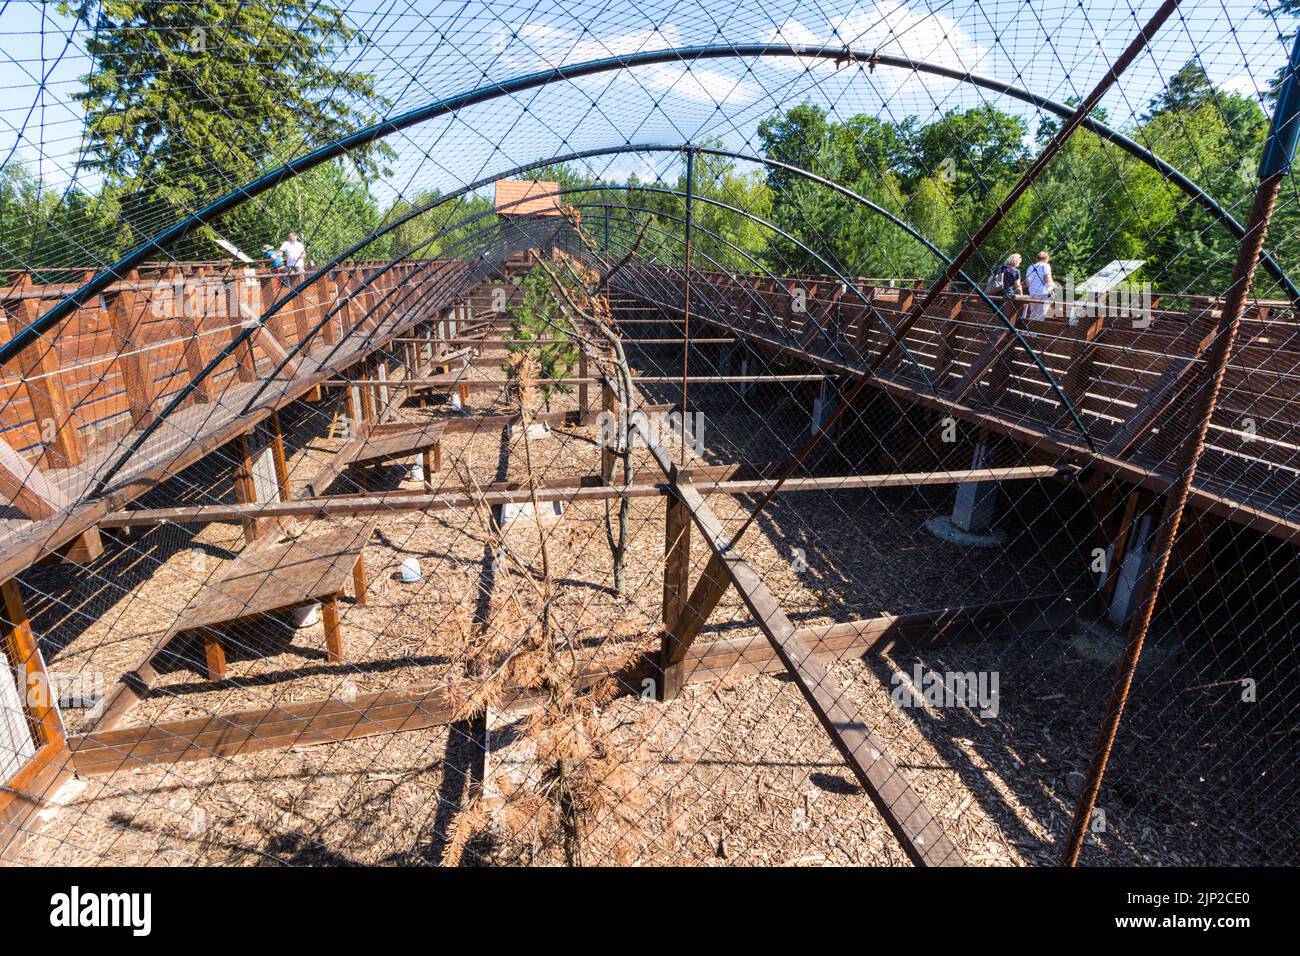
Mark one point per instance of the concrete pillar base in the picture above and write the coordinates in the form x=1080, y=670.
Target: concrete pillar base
x=977, y=501
x=942, y=527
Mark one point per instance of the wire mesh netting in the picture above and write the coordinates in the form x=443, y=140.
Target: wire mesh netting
x=656, y=433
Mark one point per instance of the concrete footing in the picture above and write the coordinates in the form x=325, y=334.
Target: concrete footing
x=942, y=527
x=1137, y=556
x=508, y=514
x=823, y=407
x=977, y=501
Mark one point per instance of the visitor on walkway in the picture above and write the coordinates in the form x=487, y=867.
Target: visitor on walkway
x=295, y=255
x=1006, y=280
x=1038, y=279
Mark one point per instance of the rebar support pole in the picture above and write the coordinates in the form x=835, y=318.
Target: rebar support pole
x=686, y=291
x=958, y=262
x=1275, y=163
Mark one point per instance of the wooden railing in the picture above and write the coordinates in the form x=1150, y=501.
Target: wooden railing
x=119, y=359
x=1124, y=375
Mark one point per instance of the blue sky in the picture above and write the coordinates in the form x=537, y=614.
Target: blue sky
x=423, y=50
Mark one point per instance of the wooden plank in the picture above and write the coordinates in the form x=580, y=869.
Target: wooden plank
x=420, y=706
x=276, y=577
x=918, y=833
x=264, y=578
x=126, y=311
x=41, y=369
x=27, y=488
x=25, y=657
x=27, y=794
x=1172, y=382
x=193, y=313
x=40, y=540
x=395, y=502
x=403, y=440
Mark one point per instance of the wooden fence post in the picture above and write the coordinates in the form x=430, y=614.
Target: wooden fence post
x=126, y=316
x=41, y=371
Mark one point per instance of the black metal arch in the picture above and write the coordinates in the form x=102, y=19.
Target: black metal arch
x=248, y=331
x=605, y=64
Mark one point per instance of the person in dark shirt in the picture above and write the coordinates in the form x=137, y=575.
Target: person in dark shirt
x=1011, y=276
x=1011, y=285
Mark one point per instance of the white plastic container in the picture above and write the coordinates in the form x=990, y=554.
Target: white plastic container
x=305, y=616
x=411, y=571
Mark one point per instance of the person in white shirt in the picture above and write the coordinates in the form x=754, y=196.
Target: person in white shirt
x=1039, y=285
x=295, y=255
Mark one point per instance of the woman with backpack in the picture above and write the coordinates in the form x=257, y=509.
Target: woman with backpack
x=1040, y=285
x=1005, y=281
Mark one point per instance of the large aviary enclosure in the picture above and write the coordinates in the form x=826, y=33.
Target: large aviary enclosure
x=648, y=448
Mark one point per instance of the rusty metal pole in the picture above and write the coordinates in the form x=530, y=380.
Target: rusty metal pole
x=1274, y=166
x=1136, y=46
x=686, y=291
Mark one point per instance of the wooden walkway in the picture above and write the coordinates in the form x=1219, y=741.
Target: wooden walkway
x=1126, y=377
x=209, y=420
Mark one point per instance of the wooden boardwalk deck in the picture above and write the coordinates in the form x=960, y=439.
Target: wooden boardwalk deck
x=1125, y=377
x=212, y=418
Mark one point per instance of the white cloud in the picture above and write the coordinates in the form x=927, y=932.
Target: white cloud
x=1244, y=86
x=888, y=26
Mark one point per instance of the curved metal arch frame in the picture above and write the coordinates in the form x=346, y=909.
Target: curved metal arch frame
x=978, y=289
x=1069, y=407
x=605, y=64
x=246, y=333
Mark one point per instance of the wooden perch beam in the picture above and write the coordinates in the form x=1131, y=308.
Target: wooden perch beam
x=421, y=706
x=484, y=384
x=918, y=833
x=394, y=502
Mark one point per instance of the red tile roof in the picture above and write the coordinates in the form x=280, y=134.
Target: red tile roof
x=540, y=198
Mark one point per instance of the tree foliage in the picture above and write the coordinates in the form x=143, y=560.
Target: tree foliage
x=190, y=99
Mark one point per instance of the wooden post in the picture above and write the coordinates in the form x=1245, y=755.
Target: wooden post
x=281, y=464
x=252, y=303
x=947, y=350
x=214, y=653
x=245, y=489
x=25, y=656
x=192, y=316
x=330, y=299
x=39, y=367
x=126, y=316
x=367, y=395
x=1079, y=372
x=307, y=313
x=329, y=609
x=352, y=410
x=359, y=580
x=677, y=562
